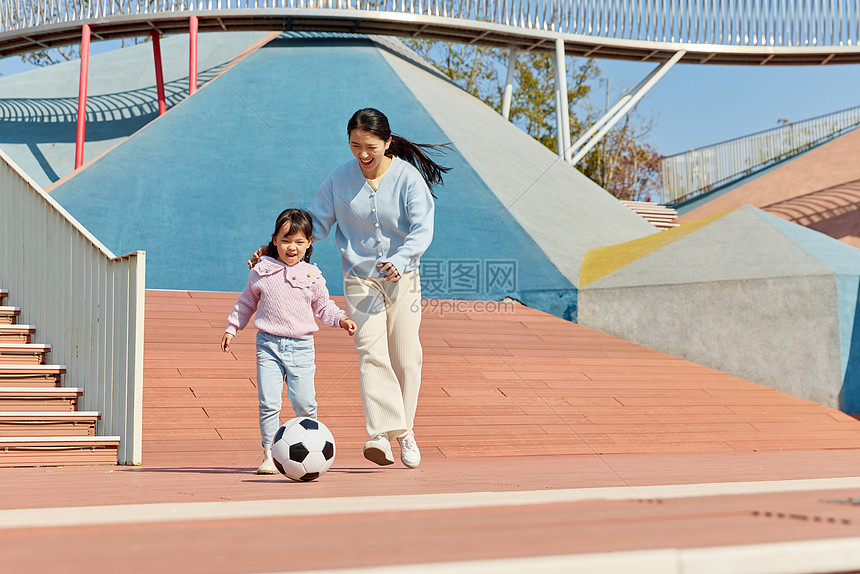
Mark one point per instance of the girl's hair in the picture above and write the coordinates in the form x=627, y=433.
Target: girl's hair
x=299, y=221
x=375, y=122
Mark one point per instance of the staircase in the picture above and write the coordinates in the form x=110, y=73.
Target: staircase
x=656, y=214
x=40, y=424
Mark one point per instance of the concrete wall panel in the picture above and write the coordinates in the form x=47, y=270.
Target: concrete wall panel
x=780, y=332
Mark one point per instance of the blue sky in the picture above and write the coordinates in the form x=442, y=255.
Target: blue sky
x=694, y=106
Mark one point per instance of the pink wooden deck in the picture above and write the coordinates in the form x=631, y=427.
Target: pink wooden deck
x=495, y=384
x=512, y=402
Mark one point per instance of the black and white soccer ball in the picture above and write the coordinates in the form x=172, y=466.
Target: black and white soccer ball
x=303, y=449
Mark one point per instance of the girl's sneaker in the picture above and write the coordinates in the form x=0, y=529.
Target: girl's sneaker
x=409, y=453
x=268, y=466
x=378, y=450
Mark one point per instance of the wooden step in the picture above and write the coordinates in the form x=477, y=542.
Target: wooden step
x=17, y=375
x=9, y=315
x=657, y=215
x=58, y=450
x=3, y=294
x=47, y=423
x=23, y=354
x=656, y=211
x=17, y=333
x=22, y=399
x=646, y=205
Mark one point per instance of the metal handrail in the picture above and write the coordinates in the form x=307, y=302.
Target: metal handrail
x=719, y=22
x=691, y=174
x=714, y=23
x=82, y=298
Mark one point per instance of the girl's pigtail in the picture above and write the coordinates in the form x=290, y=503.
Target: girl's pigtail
x=415, y=154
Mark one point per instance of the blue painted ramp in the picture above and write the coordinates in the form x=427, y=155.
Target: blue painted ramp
x=199, y=188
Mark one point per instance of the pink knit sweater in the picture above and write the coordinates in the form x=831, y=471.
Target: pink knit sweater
x=285, y=299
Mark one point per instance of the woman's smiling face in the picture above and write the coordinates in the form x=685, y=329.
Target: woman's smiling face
x=369, y=150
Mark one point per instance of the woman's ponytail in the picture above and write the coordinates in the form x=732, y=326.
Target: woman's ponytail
x=373, y=121
x=416, y=155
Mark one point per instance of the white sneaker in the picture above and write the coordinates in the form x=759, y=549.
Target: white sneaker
x=378, y=450
x=409, y=453
x=268, y=466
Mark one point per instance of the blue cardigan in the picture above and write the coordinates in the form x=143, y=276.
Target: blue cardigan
x=393, y=224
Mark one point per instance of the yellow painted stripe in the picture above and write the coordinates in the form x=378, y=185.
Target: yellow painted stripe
x=605, y=260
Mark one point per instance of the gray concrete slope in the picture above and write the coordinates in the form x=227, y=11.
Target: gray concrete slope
x=738, y=246
x=746, y=296
x=566, y=213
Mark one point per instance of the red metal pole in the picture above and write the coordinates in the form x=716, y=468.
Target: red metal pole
x=82, y=96
x=192, y=64
x=159, y=77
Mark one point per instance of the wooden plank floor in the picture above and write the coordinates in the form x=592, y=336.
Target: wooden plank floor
x=514, y=404
x=507, y=382
x=280, y=544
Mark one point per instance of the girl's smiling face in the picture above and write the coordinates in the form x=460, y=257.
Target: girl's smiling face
x=291, y=248
x=369, y=150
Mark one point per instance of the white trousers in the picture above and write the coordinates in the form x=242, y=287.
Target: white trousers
x=388, y=316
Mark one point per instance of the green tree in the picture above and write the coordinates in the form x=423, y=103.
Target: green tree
x=625, y=164
x=533, y=102
x=473, y=68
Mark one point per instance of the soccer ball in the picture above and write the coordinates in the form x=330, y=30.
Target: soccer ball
x=303, y=449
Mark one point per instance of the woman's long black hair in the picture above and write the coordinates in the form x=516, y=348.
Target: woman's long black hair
x=375, y=122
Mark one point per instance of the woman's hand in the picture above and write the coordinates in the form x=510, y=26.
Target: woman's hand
x=389, y=272
x=263, y=250
x=225, y=342
x=348, y=325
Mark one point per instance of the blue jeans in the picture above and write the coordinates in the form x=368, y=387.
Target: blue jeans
x=281, y=359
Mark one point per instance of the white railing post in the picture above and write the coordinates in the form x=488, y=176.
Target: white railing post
x=509, y=84
x=562, y=101
x=587, y=141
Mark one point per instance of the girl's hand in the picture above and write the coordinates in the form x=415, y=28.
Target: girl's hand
x=263, y=250
x=348, y=325
x=389, y=272
x=225, y=342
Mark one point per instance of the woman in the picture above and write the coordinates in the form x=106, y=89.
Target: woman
x=383, y=209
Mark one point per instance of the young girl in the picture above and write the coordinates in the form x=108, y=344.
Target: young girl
x=381, y=210
x=286, y=294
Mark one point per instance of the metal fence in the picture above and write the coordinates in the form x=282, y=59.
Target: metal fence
x=688, y=175
x=84, y=301
x=717, y=22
